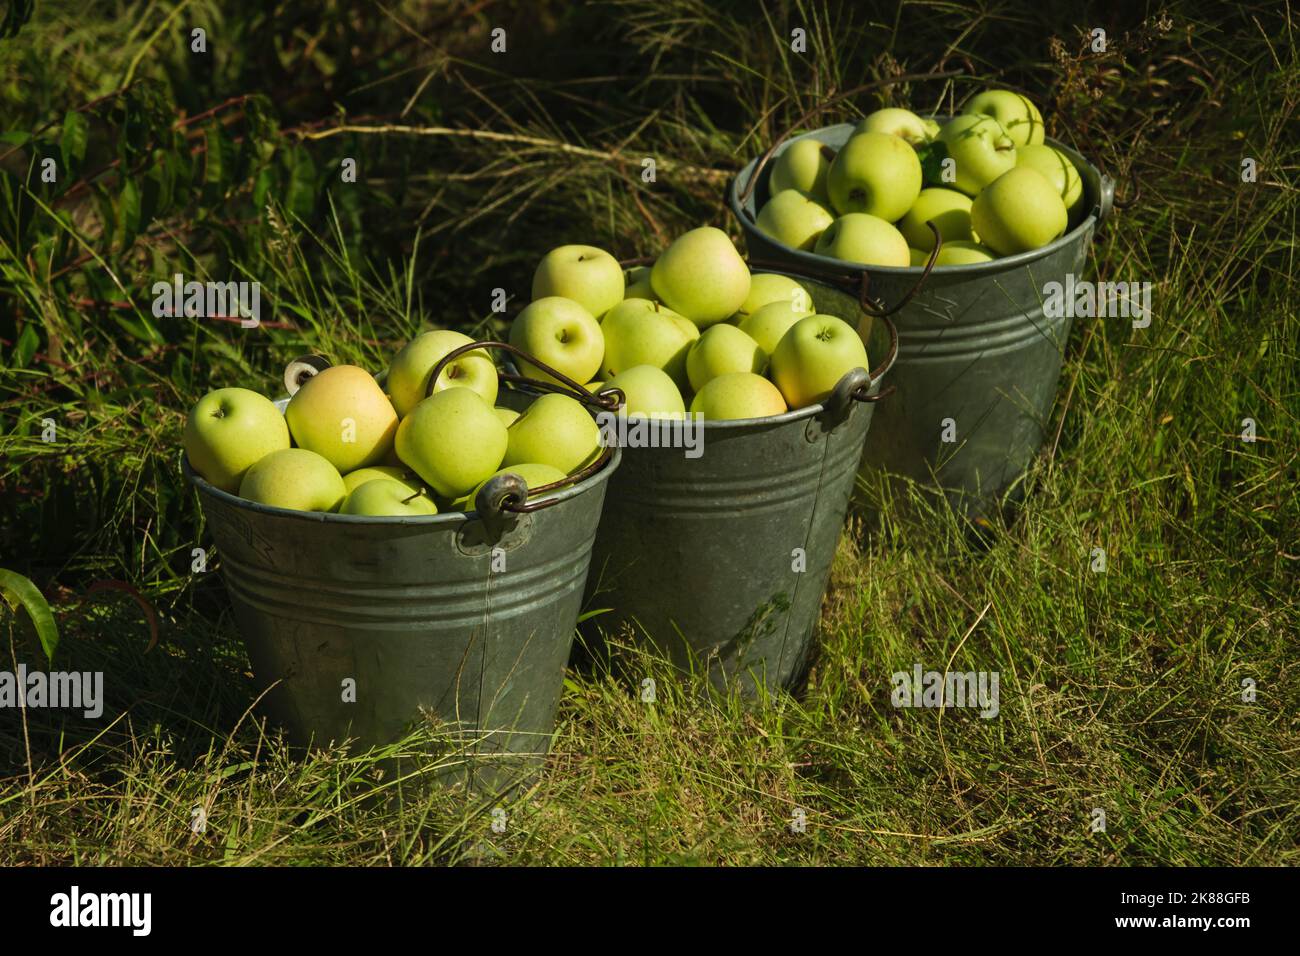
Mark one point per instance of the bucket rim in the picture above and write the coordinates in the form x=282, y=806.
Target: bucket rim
x=1090, y=221
x=448, y=519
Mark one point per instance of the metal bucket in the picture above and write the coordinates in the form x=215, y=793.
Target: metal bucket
x=467, y=617
x=720, y=562
x=978, y=361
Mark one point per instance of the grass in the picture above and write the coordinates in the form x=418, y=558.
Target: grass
x=1120, y=691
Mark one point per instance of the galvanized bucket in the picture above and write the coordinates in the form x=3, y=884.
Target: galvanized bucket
x=356, y=626
x=978, y=361
x=719, y=562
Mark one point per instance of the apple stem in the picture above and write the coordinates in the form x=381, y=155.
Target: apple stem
x=412, y=497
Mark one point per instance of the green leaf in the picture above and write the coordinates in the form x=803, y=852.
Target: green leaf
x=128, y=213
x=932, y=156
x=219, y=163
x=263, y=126
x=157, y=191
x=18, y=591
x=300, y=197
x=265, y=183
x=180, y=170
x=140, y=327
x=106, y=207
x=76, y=133
x=26, y=347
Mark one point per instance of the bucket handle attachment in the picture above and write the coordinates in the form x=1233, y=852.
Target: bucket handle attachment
x=826, y=104
x=509, y=492
x=302, y=368
x=1108, y=201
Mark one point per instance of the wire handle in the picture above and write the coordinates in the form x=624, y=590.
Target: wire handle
x=826, y=104
x=498, y=496
x=858, y=280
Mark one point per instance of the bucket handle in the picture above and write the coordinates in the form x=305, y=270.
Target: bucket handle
x=509, y=492
x=858, y=281
x=302, y=368
x=826, y=104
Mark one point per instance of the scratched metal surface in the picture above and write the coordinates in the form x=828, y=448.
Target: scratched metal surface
x=414, y=612
x=721, y=562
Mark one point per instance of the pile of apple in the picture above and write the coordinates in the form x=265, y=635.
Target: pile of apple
x=1005, y=191
x=696, y=325
x=694, y=331
x=346, y=444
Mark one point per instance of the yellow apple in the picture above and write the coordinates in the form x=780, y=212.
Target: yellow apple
x=720, y=350
x=294, y=478
x=771, y=322
x=453, y=440
x=766, y=287
x=701, y=276
x=738, y=395
x=384, y=497
x=343, y=415
x=554, y=430
x=230, y=430
x=408, y=376
x=398, y=473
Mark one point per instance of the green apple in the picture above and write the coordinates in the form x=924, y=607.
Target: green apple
x=874, y=173
x=813, y=356
x=383, y=497
x=649, y=392
x=589, y=276
x=701, y=276
x=534, y=474
x=962, y=252
x=1060, y=172
x=738, y=395
x=931, y=129
x=453, y=440
x=948, y=209
x=554, y=430
x=772, y=321
x=1017, y=115
x=904, y=124
x=768, y=287
x=919, y=258
x=638, y=284
x=792, y=218
x=859, y=237
x=1018, y=211
x=294, y=478
x=594, y=387
x=563, y=334
x=343, y=415
x=641, y=332
x=398, y=473
x=980, y=149
x=408, y=376
x=802, y=165
x=230, y=430
x=720, y=350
